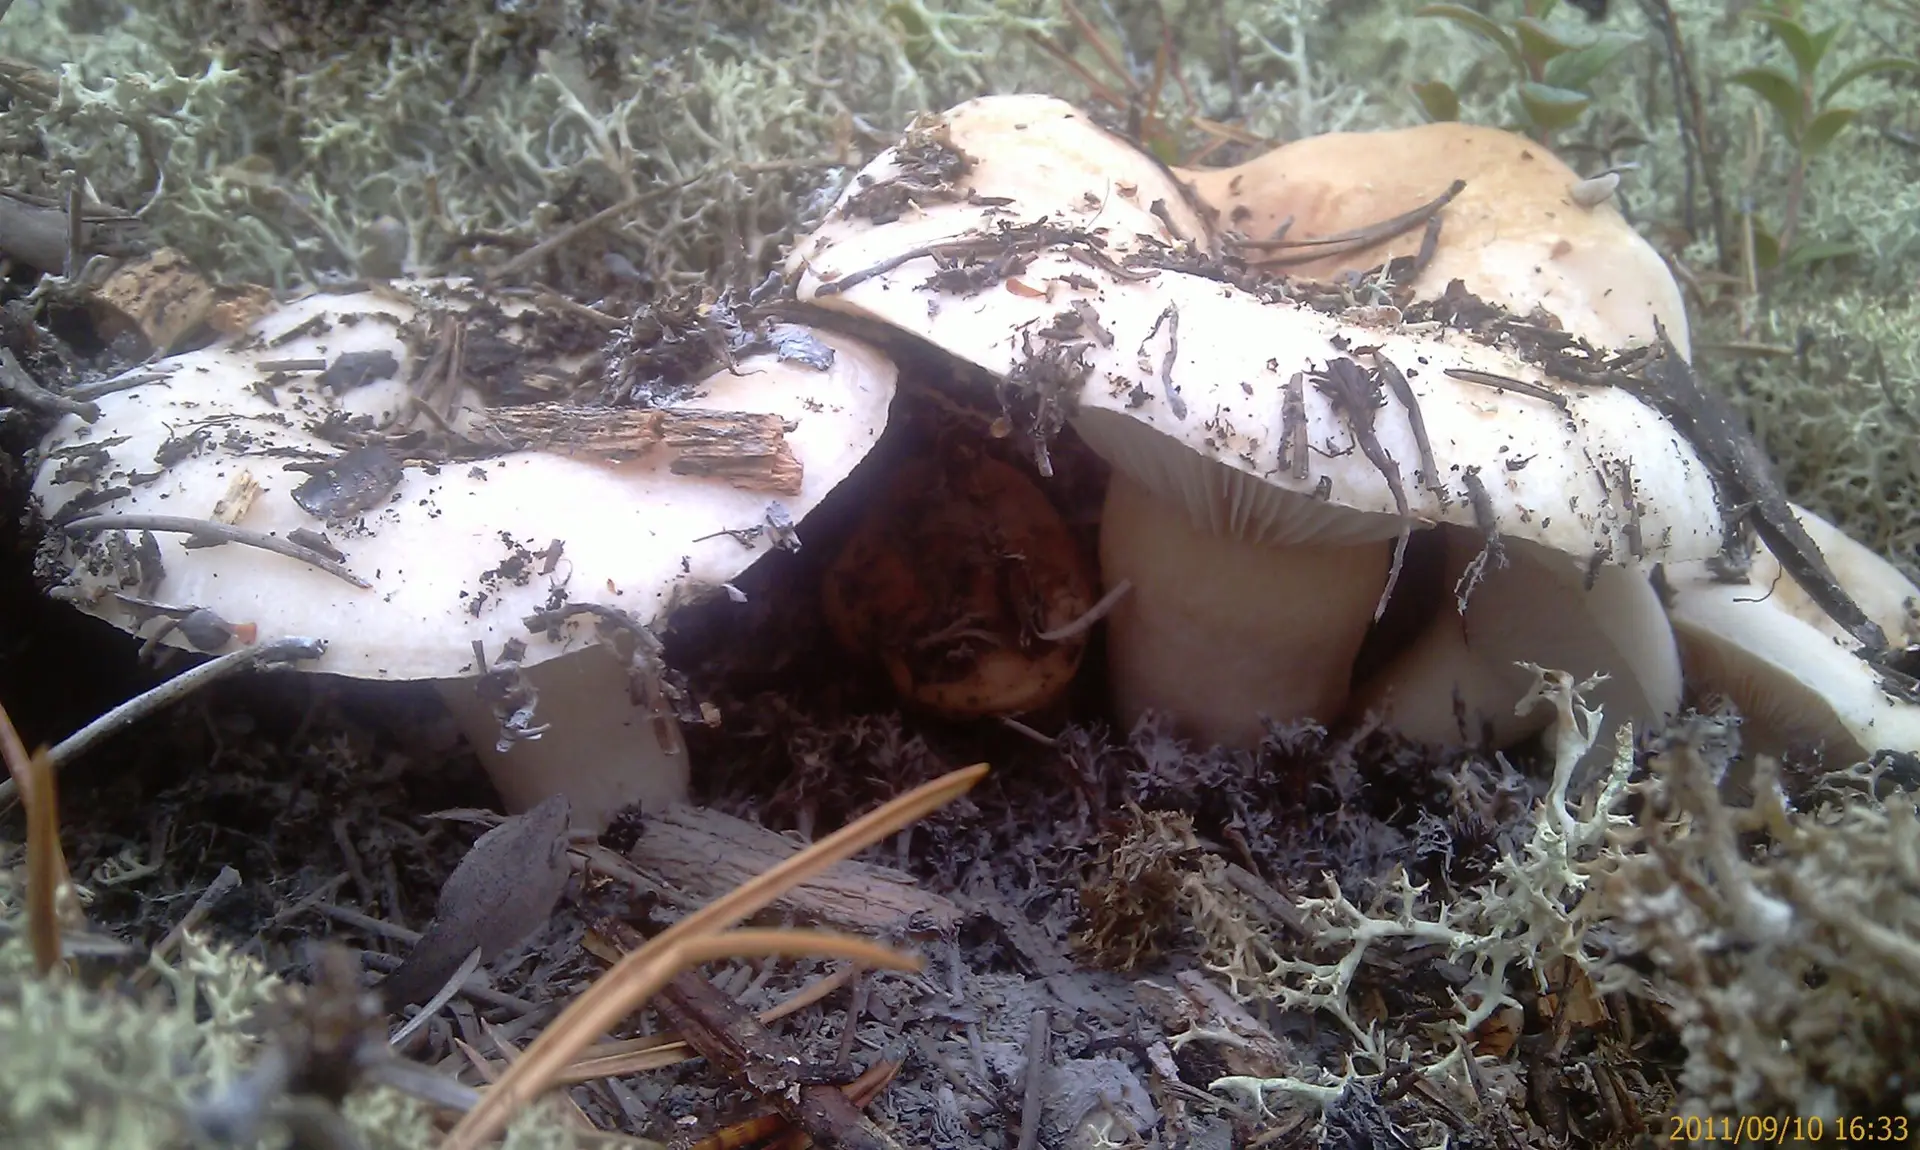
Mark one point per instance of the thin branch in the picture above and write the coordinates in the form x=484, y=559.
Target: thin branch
x=1039, y=1034
x=223, y=884
x=207, y=533
x=1508, y=383
x=565, y=236
x=168, y=693
x=15, y=381
x=1093, y=615
x=1356, y=239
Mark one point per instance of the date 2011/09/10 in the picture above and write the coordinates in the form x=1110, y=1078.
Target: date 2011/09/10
x=1773, y=1128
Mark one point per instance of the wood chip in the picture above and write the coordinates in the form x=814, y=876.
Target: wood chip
x=748, y=449
x=162, y=296
x=704, y=853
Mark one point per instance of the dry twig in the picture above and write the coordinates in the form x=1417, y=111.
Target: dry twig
x=166, y=694
x=210, y=533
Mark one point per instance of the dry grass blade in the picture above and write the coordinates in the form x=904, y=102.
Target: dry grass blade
x=46, y=867
x=1350, y=241
x=623, y=988
x=656, y=1051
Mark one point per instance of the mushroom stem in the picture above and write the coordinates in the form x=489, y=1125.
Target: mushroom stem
x=1469, y=671
x=1221, y=631
x=600, y=750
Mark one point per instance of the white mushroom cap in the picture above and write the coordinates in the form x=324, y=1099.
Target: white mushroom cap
x=1184, y=393
x=1795, y=676
x=1019, y=152
x=1555, y=477
x=635, y=536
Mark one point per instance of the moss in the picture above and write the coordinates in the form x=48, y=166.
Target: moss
x=1837, y=414
x=1840, y=410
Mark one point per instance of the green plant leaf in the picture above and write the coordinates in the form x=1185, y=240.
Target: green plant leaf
x=1476, y=22
x=1549, y=107
x=1823, y=128
x=1798, y=41
x=1578, y=68
x=1868, y=68
x=1538, y=43
x=1779, y=90
x=1817, y=251
x=1823, y=40
x=1439, y=99
x=1766, y=249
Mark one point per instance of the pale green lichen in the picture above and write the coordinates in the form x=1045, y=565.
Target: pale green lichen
x=1781, y=939
x=86, y=1068
x=481, y=135
x=1791, y=969
x=92, y=1065
x=1535, y=910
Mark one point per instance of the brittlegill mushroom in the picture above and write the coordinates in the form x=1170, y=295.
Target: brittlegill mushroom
x=519, y=555
x=1515, y=227
x=1269, y=459
x=1751, y=637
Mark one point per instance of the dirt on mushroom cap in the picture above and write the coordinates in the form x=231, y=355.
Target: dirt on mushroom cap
x=1136, y=348
x=457, y=552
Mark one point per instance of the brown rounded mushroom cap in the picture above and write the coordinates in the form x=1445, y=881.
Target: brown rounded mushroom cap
x=951, y=580
x=1515, y=236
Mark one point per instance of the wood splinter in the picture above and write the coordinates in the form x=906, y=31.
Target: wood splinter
x=748, y=449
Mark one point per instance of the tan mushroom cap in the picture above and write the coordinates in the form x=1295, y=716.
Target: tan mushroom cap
x=1515, y=236
x=1795, y=676
x=1183, y=393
